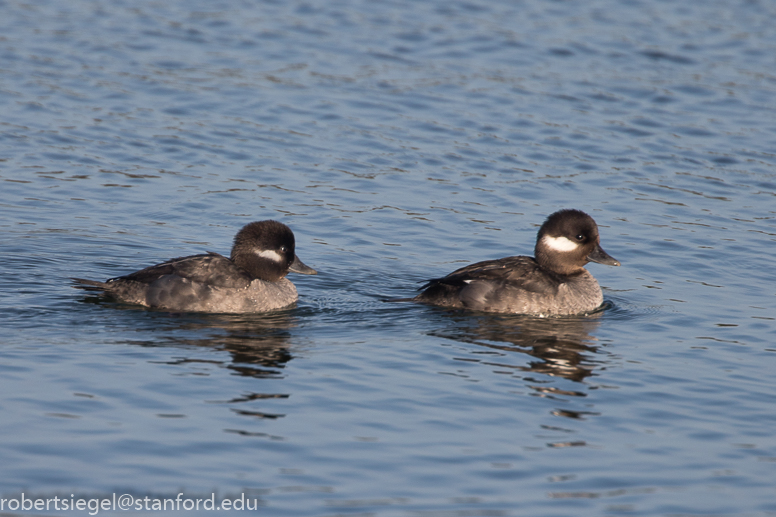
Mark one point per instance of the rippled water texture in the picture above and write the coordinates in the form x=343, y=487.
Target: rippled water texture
x=399, y=140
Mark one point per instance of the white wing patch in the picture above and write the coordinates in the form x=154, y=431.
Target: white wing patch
x=559, y=243
x=271, y=255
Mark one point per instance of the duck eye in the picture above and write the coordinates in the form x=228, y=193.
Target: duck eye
x=283, y=249
x=580, y=237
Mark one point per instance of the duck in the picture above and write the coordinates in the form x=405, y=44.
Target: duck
x=552, y=283
x=252, y=279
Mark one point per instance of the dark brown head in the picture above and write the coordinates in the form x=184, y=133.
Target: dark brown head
x=266, y=250
x=567, y=241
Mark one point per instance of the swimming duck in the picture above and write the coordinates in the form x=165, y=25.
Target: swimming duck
x=555, y=282
x=252, y=279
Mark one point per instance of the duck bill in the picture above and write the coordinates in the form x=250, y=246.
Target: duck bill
x=297, y=266
x=602, y=257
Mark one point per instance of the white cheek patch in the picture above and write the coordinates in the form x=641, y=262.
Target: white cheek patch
x=559, y=243
x=271, y=255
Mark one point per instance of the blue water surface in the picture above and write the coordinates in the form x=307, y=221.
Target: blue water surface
x=399, y=140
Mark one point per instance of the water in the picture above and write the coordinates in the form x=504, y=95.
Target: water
x=399, y=140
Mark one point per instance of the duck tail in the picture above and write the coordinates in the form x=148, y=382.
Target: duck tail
x=88, y=285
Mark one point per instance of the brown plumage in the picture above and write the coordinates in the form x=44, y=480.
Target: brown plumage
x=553, y=283
x=252, y=279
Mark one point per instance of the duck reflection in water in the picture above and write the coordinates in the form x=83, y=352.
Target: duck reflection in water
x=562, y=347
x=259, y=345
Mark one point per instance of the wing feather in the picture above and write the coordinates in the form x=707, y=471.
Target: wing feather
x=519, y=272
x=209, y=269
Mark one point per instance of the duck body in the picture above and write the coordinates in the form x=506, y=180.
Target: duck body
x=251, y=280
x=555, y=283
